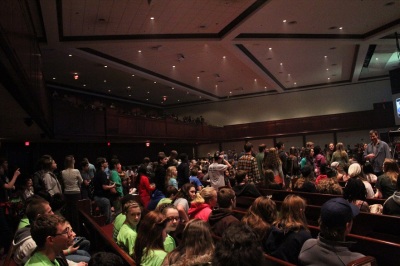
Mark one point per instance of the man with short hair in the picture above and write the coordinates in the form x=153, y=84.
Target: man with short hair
x=222, y=218
x=260, y=159
x=330, y=247
x=376, y=152
x=51, y=235
x=283, y=156
x=216, y=171
x=249, y=164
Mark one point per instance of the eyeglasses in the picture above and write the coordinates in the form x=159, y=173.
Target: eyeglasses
x=67, y=231
x=171, y=219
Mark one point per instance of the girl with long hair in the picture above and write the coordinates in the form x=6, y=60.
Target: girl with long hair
x=386, y=184
x=170, y=177
x=143, y=186
x=272, y=162
x=289, y=231
x=149, y=245
x=186, y=194
x=260, y=216
x=196, y=247
x=340, y=155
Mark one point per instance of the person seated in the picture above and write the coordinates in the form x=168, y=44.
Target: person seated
x=269, y=180
x=155, y=199
x=170, y=194
x=185, y=195
x=194, y=180
x=149, y=245
x=221, y=218
x=127, y=234
x=355, y=172
x=201, y=207
x=120, y=219
x=331, y=248
x=392, y=204
x=51, y=235
x=173, y=221
x=105, y=259
x=386, y=184
x=305, y=182
x=355, y=193
x=289, y=231
x=329, y=185
x=238, y=246
x=242, y=187
x=260, y=216
x=196, y=247
x=322, y=173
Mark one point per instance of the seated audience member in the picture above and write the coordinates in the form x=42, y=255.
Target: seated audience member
x=305, y=182
x=120, y=219
x=392, y=204
x=194, y=180
x=322, y=173
x=149, y=245
x=222, y=218
x=51, y=235
x=238, y=247
x=76, y=254
x=355, y=193
x=386, y=184
x=185, y=195
x=269, y=180
x=355, y=173
x=173, y=221
x=170, y=194
x=202, y=206
x=368, y=172
x=260, y=216
x=289, y=231
x=242, y=187
x=106, y=259
x=127, y=234
x=331, y=248
x=155, y=199
x=330, y=185
x=196, y=247
x=23, y=243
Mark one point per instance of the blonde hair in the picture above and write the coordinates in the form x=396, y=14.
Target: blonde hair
x=169, y=174
x=208, y=193
x=391, y=169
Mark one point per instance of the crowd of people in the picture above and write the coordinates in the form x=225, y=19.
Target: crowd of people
x=170, y=212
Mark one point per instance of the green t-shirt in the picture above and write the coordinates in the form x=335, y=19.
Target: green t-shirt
x=118, y=222
x=114, y=177
x=126, y=238
x=169, y=243
x=39, y=259
x=155, y=258
x=23, y=222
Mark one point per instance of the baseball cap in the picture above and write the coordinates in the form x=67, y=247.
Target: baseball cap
x=337, y=212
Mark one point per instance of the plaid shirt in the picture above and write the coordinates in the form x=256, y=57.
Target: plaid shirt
x=248, y=163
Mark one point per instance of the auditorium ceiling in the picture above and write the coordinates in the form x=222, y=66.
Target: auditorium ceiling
x=164, y=54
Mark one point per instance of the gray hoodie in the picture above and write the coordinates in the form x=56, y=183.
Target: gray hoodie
x=392, y=205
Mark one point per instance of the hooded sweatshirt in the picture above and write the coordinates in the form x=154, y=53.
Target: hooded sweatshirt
x=392, y=205
x=200, y=211
x=220, y=219
x=23, y=244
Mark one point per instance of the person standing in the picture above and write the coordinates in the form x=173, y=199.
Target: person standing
x=248, y=163
x=216, y=171
x=376, y=152
x=102, y=187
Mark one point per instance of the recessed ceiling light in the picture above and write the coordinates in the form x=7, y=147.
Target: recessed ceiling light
x=109, y=90
x=377, y=58
x=198, y=77
x=200, y=97
x=265, y=87
x=224, y=57
x=340, y=28
x=281, y=64
x=327, y=69
x=284, y=21
x=105, y=81
x=255, y=79
x=152, y=18
x=129, y=95
x=329, y=78
x=325, y=56
x=147, y=99
x=288, y=74
x=270, y=48
x=155, y=82
x=70, y=55
x=105, y=66
x=54, y=78
x=139, y=51
x=173, y=88
x=179, y=100
x=84, y=85
x=133, y=75
x=295, y=83
x=128, y=87
x=173, y=66
x=148, y=92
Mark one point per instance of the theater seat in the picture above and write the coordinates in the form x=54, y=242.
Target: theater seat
x=364, y=261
